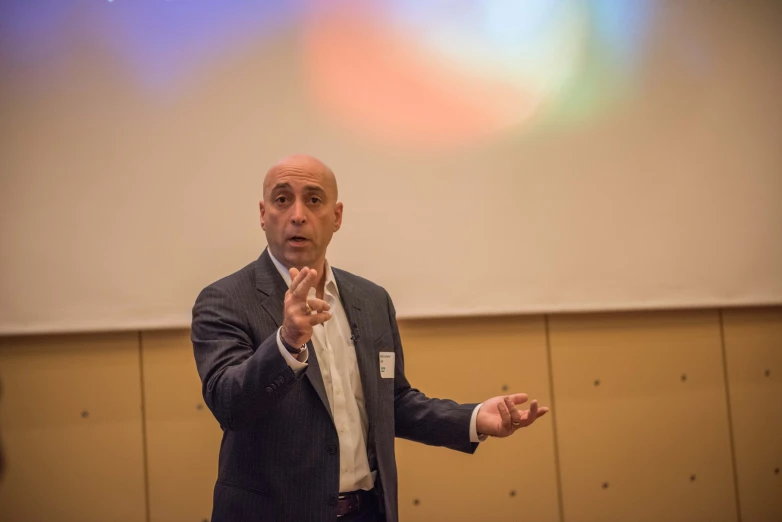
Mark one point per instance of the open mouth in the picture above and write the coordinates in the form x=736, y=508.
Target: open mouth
x=298, y=240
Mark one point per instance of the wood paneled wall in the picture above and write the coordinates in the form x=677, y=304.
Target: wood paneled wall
x=672, y=415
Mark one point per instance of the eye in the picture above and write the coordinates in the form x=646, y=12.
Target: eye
x=314, y=200
x=281, y=199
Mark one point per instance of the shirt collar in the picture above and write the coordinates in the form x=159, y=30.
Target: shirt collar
x=331, y=282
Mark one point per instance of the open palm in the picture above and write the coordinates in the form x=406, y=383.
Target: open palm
x=499, y=416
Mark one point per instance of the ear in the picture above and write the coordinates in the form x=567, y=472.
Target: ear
x=263, y=214
x=337, y=216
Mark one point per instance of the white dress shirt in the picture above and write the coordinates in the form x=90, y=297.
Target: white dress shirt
x=339, y=367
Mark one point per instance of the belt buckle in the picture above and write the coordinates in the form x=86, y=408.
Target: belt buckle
x=354, y=503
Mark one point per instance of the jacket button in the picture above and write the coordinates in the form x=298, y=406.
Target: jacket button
x=269, y=389
x=332, y=449
x=280, y=379
x=333, y=500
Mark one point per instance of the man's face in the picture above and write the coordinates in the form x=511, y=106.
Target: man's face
x=300, y=212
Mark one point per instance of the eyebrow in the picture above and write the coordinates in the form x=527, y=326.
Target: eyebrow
x=314, y=188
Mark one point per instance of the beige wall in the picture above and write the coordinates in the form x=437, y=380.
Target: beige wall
x=656, y=416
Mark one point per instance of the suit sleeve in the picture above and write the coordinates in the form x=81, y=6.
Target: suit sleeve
x=437, y=422
x=240, y=382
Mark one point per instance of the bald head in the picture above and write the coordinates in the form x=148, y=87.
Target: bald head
x=299, y=211
x=302, y=164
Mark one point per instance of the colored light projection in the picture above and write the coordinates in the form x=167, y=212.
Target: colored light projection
x=159, y=42
x=410, y=71
x=445, y=71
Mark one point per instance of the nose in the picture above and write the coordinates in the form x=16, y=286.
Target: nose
x=298, y=214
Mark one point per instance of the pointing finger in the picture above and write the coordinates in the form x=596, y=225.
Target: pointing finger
x=298, y=277
x=304, y=286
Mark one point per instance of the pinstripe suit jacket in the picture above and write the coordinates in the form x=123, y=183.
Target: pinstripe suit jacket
x=279, y=457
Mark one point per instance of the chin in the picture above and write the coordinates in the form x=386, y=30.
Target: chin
x=298, y=260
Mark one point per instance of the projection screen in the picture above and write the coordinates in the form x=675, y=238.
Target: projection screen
x=494, y=157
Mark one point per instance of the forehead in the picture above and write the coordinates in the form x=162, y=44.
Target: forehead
x=295, y=178
x=300, y=173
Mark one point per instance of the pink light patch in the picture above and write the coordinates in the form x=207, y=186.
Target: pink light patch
x=373, y=80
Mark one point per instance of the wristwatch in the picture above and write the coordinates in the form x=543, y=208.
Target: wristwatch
x=291, y=349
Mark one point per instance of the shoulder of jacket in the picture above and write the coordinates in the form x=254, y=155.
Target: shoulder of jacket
x=241, y=280
x=365, y=285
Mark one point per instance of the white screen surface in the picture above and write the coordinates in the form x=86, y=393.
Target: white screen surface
x=609, y=159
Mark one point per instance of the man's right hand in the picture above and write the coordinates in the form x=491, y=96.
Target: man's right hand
x=298, y=321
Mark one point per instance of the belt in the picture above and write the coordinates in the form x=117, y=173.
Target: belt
x=356, y=502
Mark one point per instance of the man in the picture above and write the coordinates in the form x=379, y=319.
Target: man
x=302, y=365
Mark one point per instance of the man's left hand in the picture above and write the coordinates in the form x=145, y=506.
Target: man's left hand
x=499, y=416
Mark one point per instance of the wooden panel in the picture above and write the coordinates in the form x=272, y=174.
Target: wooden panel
x=753, y=344
x=642, y=417
x=71, y=428
x=470, y=360
x=183, y=438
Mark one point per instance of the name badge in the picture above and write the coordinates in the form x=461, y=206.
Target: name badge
x=387, y=365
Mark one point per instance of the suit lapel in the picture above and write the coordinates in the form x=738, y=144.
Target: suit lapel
x=271, y=284
x=368, y=364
